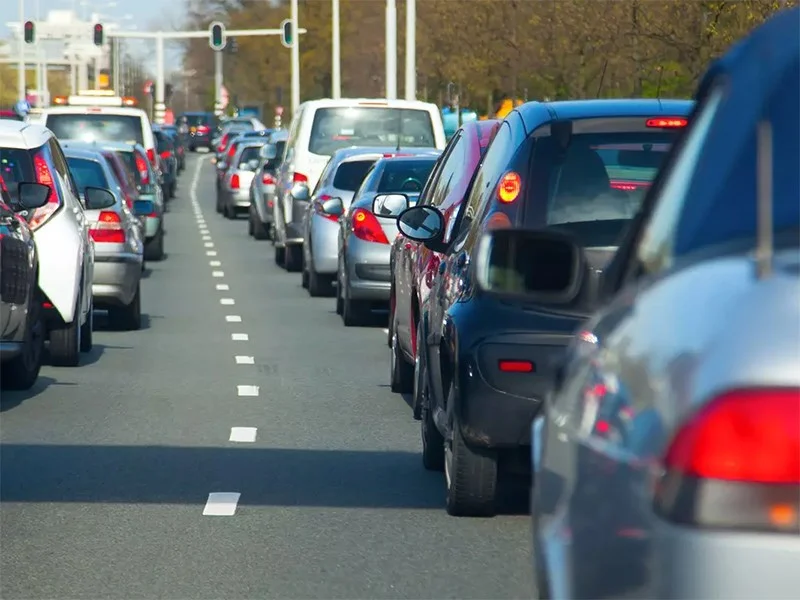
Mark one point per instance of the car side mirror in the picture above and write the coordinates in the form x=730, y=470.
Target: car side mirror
x=222, y=165
x=542, y=266
x=144, y=207
x=333, y=206
x=389, y=205
x=31, y=196
x=269, y=152
x=98, y=198
x=300, y=192
x=423, y=224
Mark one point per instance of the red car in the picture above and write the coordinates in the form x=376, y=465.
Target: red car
x=414, y=266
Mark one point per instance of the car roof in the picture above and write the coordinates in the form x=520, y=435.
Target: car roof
x=84, y=153
x=534, y=114
x=367, y=102
x=100, y=145
x=280, y=135
x=126, y=111
x=433, y=157
x=23, y=135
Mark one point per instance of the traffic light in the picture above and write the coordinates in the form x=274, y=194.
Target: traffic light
x=286, y=36
x=98, y=34
x=216, y=36
x=30, y=32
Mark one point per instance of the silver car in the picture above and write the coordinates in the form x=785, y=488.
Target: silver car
x=262, y=189
x=667, y=459
x=342, y=176
x=117, y=236
x=235, y=184
x=368, y=228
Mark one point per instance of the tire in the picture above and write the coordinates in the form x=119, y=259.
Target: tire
x=339, y=299
x=304, y=273
x=390, y=325
x=154, y=249
x=420, y=392
x=432, y=441
x=470, y=473
x=401, y=374
x=294, y=258
x=260, y=230
x=22, y=371
x=172, y=187
x=65, y=341
x=250, y=226
x=354, y=312
x=319, y=286
x=128, y=318
x=219, y=203
x=280, y=256
x=229, y=212
x=87, y=330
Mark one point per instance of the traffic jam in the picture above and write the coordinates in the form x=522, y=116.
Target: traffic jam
x=595, y=302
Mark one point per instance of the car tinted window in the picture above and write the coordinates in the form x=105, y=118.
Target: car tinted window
x=163, y=142
x=455, y=160
x=60, y=164
x=97, y=127
x=195, y=120
x=335, y=128
x=126, y=180
x=406, y=175
x=349, y=175
x=87, y=173
x=16, y=166
x=249, y=153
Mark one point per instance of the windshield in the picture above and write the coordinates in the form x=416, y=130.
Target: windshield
x=87, y=173
x=195, y=120
x=405, y=175
x=595, y=186
x=163, y=142
x=16, y=166
x=336, y=128
x=349, y=175
x=248, y=154
x=97, y=127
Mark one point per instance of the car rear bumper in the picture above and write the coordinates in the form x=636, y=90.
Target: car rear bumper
x=239, y=198
x=368, y=271
x=116, y=279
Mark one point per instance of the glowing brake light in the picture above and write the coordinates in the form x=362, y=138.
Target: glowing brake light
x=394, y=155
x=629, y=186
x=108, y=229
x=166, y=154
x=141, y=166
x=231, y=150
x=235, y=181
x=367, y=228
x=516, y=366
x=509, y=187
x=299, y=178
x=151, y=156
x=667, y=122
x=129, y=101
x=203, y=129
x=45, y=177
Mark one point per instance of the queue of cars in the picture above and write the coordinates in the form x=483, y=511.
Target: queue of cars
x=598, y=296
x=85, y=186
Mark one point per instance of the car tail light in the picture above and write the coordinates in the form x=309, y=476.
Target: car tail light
x=203, y=129
x=45, y=177
x=667, y=122
x=231, y=150
x=366, y=227
x=629, y=186
x=235, y=181
x=299, y=178
x=267, y=179
x=141, y=166
x=108, y=229
x=318, y=207
x=166, y=154
x=151, y=156
x=736, y=464
x=223, y=143
x=516, y=366
x=509, y=187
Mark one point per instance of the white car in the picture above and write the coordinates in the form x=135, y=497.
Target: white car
x=31, y=153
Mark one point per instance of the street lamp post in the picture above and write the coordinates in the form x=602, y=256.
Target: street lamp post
x=336, y=65
x=391, y=49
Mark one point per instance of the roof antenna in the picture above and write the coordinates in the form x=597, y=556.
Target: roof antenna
x=764, y=240
x=602, y=78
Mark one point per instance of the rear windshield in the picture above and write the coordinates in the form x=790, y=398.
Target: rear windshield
x=129, y=158
x=163, y=142
x=405, y=175
x=97, y=127
x=195, y=120
x=87, y=173
x=595, y=186
x=234, y=128
x=16, y=166
x=349, y=175
x=248, y=154
x=124, y=175
x=336, y=128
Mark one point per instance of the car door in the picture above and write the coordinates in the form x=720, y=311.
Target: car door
x=16, y=270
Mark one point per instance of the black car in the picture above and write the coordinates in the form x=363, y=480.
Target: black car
x=180, y=142
x=202, y=126
x=22, y=328
x=501, y=310
x=168, y=160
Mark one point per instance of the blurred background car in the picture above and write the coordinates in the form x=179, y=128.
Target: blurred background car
x=168, y=161
x=229, y=131
x=262, y=188
x=179, y=142
x=235, y=187
x=366, y=232
x=202, y=126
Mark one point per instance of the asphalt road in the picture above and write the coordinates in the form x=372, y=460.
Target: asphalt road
x=106, y=469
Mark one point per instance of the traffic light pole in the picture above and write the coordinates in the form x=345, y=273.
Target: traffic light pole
x=21, y=62
x=160, y=36
x=218, y=83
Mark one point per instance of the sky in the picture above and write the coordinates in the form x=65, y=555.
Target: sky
x=143, y=15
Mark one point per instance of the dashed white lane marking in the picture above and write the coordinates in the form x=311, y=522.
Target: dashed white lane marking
x=233, y=318
x=243, y=434
x=247, y=390
x=245, y=360
x=209, y=244
x=203, y=231
x=227, y=301
x=214, y=263
x=211, y=252
x=221, y=504
x=218, y=273
x=239, y=337
x=223, y=287
x=206, y=238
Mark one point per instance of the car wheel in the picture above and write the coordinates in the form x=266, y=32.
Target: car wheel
x=128, y=318
x=401, y=374
x=319, y=285
x=294, y=258
x=154, y=249
x=420, y=392
x=260, y=231
x=304, y=271
x=280, y=256
x=87, y=330
x=470, y=473
x=219, y=203
x=65, y=341
x=354, y=312
x=21, y=372
x=432, y=441
x=172, y=187
x=250, y=226
x=229, y=212
x=339, y=299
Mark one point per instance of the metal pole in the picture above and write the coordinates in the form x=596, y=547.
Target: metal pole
x=295, y=59
x=336, y=75
x=217, y=82
x=96, y=63
x=391, y=49
x=21, y=58
x=159, y=108
x=115, y=64
x=411, y=49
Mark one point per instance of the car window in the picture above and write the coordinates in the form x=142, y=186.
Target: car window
x=340, y=127
x=454, y=162
x=405, y=175
x=60, y=163
x=96, y=127
x=249, y=153
x=163, y=142
x=349, y=175
x=87, y=173
x=16, y=166
x=366, y=183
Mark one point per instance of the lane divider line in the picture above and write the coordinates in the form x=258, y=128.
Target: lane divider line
x=239, y=337
x=233, y=318
x=245, y=360
x=209, y=244
x=227, y=301
x=247, y=390
x=246, y=435
x=223, y=287
x=211, y=252
x=221, y=504
x=214, y=263
x=218, y=273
